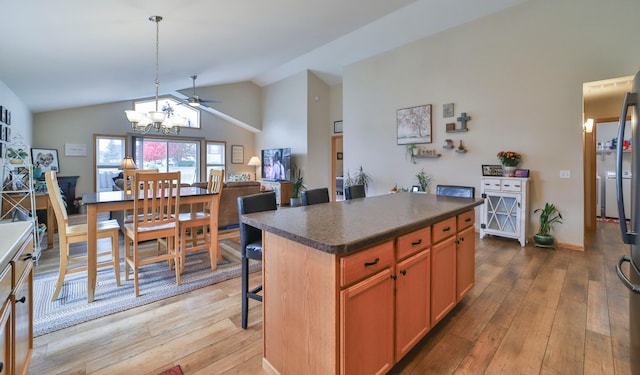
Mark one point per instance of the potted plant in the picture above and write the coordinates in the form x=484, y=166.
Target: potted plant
x=16, y=156
x=509, y=160
x=298, y=187
x=424, y=180
x=548, y=216
x=359, y=178
x=412, y=150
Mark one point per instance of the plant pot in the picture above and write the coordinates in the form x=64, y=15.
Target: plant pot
x=545, y=240
x=295, y=202
x=508, y=171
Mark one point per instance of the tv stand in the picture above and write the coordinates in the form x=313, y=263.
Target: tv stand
x=283, y=190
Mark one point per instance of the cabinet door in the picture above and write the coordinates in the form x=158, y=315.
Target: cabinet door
x=443, y=279
x=5, y=339
x=465, y=262
x=366, y=326
x=413, y=301
x=23, y=320
x=502, y=213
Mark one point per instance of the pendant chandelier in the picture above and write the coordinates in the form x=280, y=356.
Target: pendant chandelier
x=158, y=120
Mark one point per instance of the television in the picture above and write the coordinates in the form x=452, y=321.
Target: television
x=276, y=164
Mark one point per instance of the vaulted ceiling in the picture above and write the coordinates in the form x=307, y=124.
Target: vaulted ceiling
x=71, y=53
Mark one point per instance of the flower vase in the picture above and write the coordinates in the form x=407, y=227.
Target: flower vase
x=508, y=171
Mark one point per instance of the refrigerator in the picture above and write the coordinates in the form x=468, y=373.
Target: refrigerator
x=630, y=231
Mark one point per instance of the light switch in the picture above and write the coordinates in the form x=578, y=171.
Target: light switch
x=565, y=173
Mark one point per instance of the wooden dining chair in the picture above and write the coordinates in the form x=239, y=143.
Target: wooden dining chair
x=157, y=207
x=68, y=234
x=195, y=233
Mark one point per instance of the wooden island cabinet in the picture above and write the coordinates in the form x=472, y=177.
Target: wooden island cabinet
x=349, y=290
x=16, y=298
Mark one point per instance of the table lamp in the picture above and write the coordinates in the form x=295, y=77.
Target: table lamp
x=255, y=161
x=128, y=163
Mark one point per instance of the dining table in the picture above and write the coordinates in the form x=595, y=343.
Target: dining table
x=107, y=201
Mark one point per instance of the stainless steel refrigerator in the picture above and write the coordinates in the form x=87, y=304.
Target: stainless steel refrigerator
x=630, y=231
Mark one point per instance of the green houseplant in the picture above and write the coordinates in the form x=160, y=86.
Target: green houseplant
x=17, y=155
x=298, y=187
x=424, y=180
x=548, y=216
x=359, y=178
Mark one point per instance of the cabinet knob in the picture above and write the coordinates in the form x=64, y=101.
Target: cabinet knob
x=415, y=243
x=27, y=256
x=22, y=300
x=403, y=272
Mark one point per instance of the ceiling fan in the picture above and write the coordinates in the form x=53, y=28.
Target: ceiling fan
x=195, y=100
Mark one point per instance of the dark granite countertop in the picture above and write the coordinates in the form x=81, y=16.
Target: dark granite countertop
x=349, y=226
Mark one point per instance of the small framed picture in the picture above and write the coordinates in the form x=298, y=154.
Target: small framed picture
x=337, y=126
x=237, y=154
x=8, y=117
x=3, y=114
x=415, y=188
x=491, y=170
x=447, y=110
x=522, y=173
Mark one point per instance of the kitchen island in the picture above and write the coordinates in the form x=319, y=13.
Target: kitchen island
x=352, y=286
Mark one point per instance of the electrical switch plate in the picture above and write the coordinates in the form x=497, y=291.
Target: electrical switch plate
x=564, y=173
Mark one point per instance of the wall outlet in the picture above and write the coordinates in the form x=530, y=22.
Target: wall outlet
x=564, y=173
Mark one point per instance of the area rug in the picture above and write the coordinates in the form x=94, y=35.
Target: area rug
x=172, y=371
x=157, y=282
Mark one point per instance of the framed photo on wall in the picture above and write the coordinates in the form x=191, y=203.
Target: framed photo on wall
x=337, y=126
x=46, y=159
x=237, y=154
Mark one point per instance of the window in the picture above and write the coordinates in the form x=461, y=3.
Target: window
x=169, y=155
x=171, y=107
x=110, y=150
x=215, y=155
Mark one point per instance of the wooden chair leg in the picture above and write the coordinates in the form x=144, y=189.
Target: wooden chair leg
x=115, y=255
x=62, y=270
x=135, y=268
x=214, y=251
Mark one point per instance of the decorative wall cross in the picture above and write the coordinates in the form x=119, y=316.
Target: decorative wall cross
x=463, y=120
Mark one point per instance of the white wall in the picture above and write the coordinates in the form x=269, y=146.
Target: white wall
x=21, y=119
x=77, y=125
x=319, y=131
x=518, y=74
x=284, y=119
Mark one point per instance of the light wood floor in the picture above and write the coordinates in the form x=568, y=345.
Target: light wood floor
x=532, y=311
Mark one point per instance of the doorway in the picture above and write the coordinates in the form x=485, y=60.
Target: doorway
x=337, y=169
x=602, y=101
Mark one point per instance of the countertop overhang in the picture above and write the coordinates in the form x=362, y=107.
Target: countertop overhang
x=12, y=236
x=344, y=227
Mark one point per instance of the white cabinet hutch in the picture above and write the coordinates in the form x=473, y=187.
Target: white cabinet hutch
x=506, y=207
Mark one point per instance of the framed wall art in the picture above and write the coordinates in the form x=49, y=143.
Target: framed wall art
x=237, y=154
x=337, y=126
x=447, y=110
x=414, y=124
x=521, y=173
x=46, y=159
x=492, y=170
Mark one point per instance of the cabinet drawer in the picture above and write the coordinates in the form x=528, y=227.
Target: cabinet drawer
x=20, y=261
x=511, y=185
x=413, y=242
x=466, y=219
x=5, y=284
x=492, y=184
x=365, y=263
x=444, y=229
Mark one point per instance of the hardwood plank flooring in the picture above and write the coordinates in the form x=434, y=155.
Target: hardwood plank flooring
x=532, y=311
